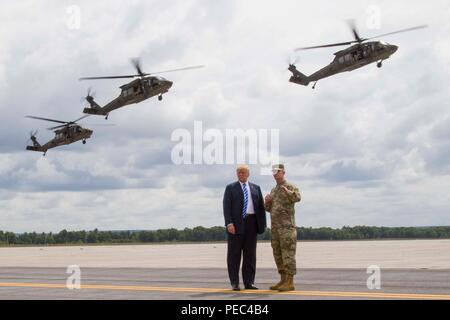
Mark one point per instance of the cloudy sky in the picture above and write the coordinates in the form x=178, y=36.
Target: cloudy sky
x=370, y=147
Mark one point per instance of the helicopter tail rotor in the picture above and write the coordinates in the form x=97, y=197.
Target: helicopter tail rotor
x=33, y=139
x=297, y=76
x=293, y=60
x=90, y=94
x=90, y=99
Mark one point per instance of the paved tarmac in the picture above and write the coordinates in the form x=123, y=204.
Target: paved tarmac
x=410, y=269
x=211, y=284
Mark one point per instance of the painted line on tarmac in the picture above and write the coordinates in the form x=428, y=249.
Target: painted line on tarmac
x=338, y=294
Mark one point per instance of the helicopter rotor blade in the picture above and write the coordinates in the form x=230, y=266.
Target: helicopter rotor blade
x=352, y=24
x=46, y=119
x=110, y=77
x=327, y=45
x=137, y=64
x=179, y=69
x=141, y=74
x=399, y=31
x=293, y=60
x=85, y=116
x=99, y=124
x=57, y=127
x=358, y=39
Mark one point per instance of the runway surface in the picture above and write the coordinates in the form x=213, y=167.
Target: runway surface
x=410, y=269
x=188, y=283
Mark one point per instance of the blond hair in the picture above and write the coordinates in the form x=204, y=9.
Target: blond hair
x=242, y=167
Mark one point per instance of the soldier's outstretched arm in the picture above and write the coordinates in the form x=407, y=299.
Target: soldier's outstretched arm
x=295, y=195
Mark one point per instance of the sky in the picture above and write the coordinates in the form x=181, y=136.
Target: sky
x=368, y=147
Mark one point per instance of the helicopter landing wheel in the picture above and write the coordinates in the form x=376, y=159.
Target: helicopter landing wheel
x=314, y=85
x=160, y=97
x=380, y=64
x=84, y=141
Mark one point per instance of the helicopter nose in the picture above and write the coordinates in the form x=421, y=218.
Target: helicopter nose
x=168, y=83
x=394, y=48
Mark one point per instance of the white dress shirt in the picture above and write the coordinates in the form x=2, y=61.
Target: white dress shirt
x=250, y=207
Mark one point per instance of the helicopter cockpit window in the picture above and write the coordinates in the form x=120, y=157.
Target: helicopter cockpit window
x=341, y=60
x=348, y=57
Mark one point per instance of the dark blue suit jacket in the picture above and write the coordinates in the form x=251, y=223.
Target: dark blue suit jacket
x=233, y=204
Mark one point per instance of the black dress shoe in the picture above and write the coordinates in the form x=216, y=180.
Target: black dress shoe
x=235, y=287
x=251, y=287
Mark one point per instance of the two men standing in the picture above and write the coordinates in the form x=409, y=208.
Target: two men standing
x=245, y=217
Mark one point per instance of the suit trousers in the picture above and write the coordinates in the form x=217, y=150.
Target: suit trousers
x=243, y=245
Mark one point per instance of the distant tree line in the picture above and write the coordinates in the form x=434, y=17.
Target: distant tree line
x=201, y=234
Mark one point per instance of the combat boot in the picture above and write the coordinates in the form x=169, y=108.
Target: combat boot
x=283, y=279
x=288, y=285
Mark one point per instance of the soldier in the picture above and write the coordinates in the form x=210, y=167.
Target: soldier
x=280, y=203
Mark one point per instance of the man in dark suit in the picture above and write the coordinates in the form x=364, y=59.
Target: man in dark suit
x=245, y=218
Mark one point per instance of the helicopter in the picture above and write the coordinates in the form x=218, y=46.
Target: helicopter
x=354, y=57
x=140, y=89
x=66, y=133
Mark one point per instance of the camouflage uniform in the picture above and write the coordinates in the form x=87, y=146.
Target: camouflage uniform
x=284, y=232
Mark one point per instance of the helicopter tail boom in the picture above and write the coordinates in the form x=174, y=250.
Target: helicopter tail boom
x=34, y=148
x=298, y=77
x=96, y=111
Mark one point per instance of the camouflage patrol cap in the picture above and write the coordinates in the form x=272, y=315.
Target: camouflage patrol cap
x=277, y=167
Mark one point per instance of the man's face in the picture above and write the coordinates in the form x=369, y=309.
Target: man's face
x=242, y=175
x=279, y=176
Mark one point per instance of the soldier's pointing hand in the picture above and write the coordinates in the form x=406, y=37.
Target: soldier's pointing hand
x=286, y=190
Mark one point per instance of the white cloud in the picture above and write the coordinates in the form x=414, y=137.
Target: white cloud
x=366, y=147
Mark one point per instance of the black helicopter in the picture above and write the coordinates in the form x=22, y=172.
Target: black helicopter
x=66, y=133
x=358, y=55
x=140, y=89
